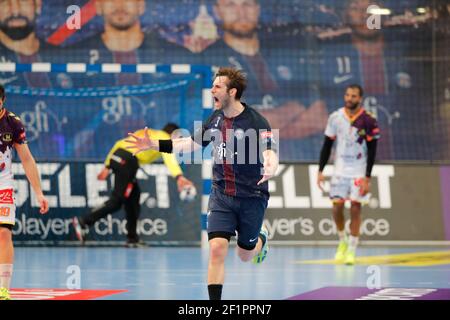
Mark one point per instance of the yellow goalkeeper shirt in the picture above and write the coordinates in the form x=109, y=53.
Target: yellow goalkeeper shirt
x=149, y=156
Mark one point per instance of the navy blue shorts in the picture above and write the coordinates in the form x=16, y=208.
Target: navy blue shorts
x=229, y=215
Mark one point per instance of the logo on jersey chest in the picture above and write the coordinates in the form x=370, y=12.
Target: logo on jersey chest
x=6, y=196
x=6, y=137
x=222, y=150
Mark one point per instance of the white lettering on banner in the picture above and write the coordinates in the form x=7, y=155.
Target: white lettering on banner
x=275, y=201
x=116, y=108
x=370, y=227
x=21, y=184
x=317, y=199
x=47, y=169
x=147, y=227
x=383, y=173
x=160, y=172
x=66, y=199
x=94, y=187
x=326, y=227
x=40, y=119
x=103, y=227
x=287, y=227
x=36, y=226
x=20, y=190
x=291, y=200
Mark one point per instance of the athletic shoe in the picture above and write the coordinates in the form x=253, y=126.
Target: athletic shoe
x=259, y=258
x=341, y=250
x=4, y=294
x=350, y=258
x=79, y=232
x=136, y=244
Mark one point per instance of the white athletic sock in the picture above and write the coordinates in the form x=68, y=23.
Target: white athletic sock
x=342, y=235
x=352, y=243
x=6, y=271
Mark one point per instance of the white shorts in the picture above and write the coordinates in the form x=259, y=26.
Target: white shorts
x=7, y=207
x=343, y=188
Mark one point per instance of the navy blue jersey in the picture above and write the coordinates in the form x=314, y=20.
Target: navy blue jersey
x=396, y=91
x=153, y=50
x=238, y=144
x=46, y=53
x=274, y=77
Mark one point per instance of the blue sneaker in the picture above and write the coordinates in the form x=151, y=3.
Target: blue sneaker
x=259, y=258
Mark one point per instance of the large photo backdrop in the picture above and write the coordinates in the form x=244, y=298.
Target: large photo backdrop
x=300, y=57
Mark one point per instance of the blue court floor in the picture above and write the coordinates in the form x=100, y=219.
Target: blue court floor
x=171, y=273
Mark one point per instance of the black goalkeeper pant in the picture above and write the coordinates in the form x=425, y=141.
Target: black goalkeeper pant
x=125, y=193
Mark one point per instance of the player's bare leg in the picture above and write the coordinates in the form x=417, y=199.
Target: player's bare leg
x=259, y=252
x=218, y=250
x=355, y=214
x=338, y=216
x=247, y=255
x=6, y=262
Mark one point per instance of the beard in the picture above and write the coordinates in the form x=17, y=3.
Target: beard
x=224, y=103
x=121, y=26
x=17, y=33
x=352, y=106
x=245, y=34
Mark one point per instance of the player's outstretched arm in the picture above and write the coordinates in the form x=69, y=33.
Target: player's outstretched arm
x=185, y=145
x=31, y=171
x=139, y=144
x=270, y=165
